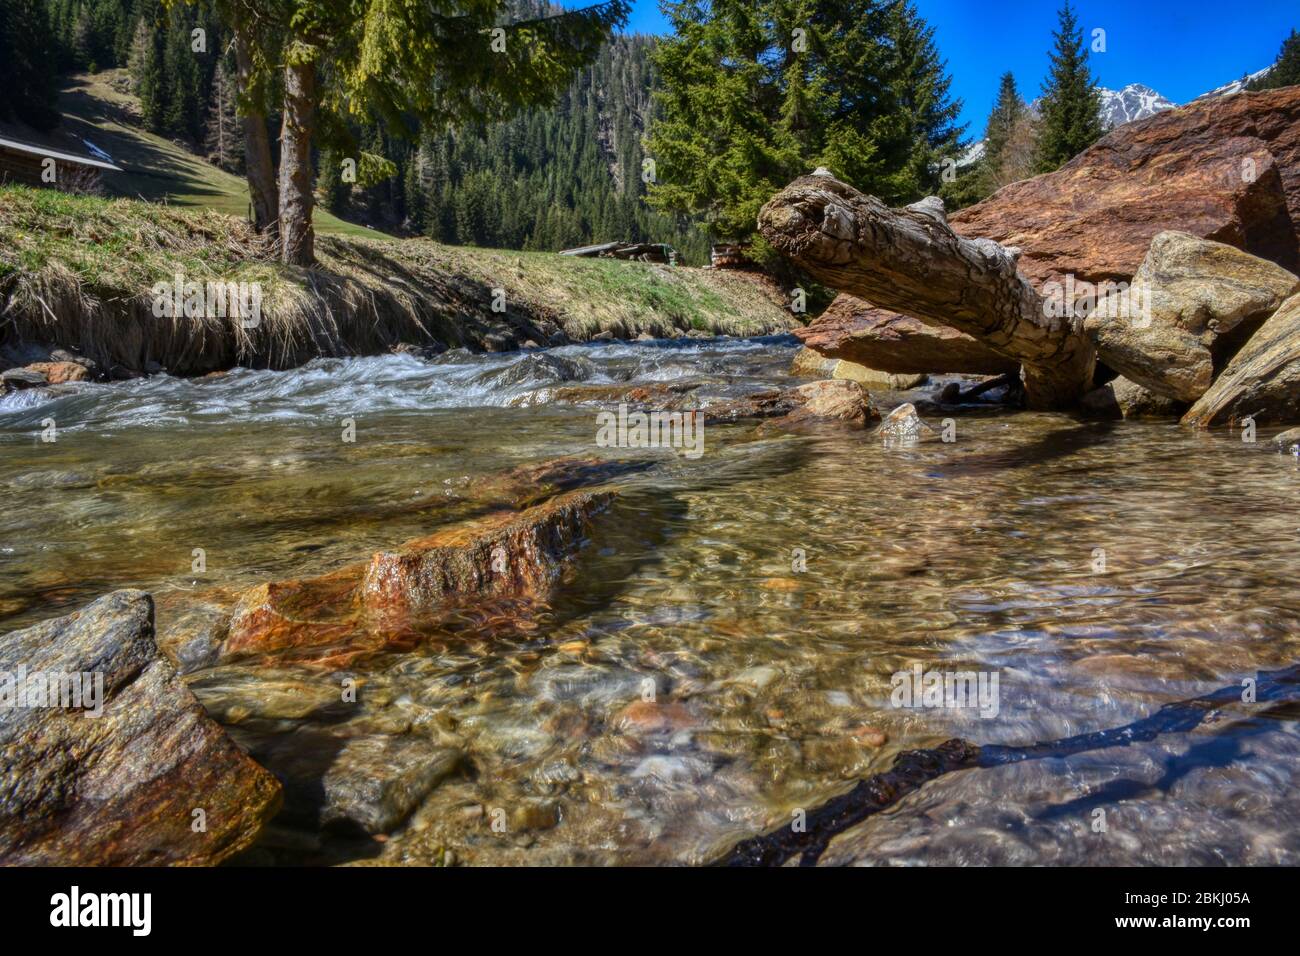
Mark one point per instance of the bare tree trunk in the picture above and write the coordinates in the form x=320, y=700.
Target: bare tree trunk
x=257, y=144
x=297, y=239
x=910, y=261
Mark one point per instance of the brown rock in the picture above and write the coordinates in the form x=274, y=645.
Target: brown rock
x=822, y=402
x=809, y=364
x=1191, y=301
x=874, y=378
x=653, y=717
x=531, y=483
x=500, y=555
x=56, y=373
x=497, y=565
x=120, y=789
x=1121, y=398
x=1226, y=169
x=836, y=400
x=1262, y=381
x=855, y=331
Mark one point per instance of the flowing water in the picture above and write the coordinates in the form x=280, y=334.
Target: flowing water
x=765, y=595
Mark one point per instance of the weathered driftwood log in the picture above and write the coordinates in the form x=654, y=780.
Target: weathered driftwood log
x=909, y=260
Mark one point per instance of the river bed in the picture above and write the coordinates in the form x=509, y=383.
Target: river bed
x=727, y=652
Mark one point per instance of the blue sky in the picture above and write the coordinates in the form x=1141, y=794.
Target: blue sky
x=1180, y=48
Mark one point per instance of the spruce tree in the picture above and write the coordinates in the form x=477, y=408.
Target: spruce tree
x=920, y=89
x=27, y=63
x=758, y=92
x=223, y=138
x=1286, y=70
x=1071, y=106
x=1006, y=113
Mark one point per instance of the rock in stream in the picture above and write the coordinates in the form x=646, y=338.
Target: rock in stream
x=124, y=787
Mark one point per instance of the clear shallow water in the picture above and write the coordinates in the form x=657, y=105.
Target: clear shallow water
x=773, y=684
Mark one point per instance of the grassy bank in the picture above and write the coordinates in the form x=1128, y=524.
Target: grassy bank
x=76, y=272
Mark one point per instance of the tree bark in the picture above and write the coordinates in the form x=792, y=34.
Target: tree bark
x=257, y=144
x=297, y=239
x=910, y=261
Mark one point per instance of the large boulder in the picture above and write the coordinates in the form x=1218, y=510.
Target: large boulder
x=1226, y=169
x=856, y=331
x=1262, y=381
x=1192, y=303
x=123, y=787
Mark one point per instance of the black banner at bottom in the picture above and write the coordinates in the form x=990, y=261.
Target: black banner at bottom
x=336, y=906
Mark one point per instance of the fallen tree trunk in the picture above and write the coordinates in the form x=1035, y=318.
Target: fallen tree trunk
x=909, y=260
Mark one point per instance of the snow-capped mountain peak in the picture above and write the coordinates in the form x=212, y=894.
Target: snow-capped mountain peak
x=1133, y=102
x=1236, y=86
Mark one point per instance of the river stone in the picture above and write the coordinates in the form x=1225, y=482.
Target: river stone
x=1262, y=380
x=502, y=554
x=1200, y=292
x=836, y=400
x=233, y=695
x=371, y=783
x=120, y=789
x=824, y=401
x=874, y=378
x=533, y=482
x=512, y=559
x=1287, y=438
x=18, y=378
x=808, y=364
x=903, y=424
x=1121, y=398
x=57, y=373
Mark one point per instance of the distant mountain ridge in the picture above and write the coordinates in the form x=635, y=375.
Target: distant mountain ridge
x=1236, y=86
x=1134, y=102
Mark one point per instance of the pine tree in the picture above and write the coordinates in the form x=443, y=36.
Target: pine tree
x=27, y=63
x=331, y=191
x=150, y=82
x=433, y=62
x=1286, y=70
x=758, y=92
x=224, y=139
x=138, y=54
x=920, y=88
x=1006, y=113
x=1071, y=106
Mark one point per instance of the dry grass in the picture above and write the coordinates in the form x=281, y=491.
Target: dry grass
x=76, y=272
